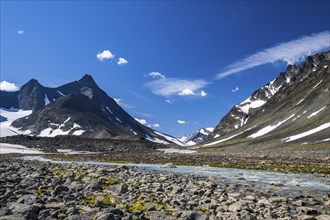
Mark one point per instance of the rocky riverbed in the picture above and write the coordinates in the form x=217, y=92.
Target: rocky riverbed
x=44, y=190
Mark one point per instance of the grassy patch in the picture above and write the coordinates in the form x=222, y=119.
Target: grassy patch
x=109, y=200
x=91, y=200
x=111, y=181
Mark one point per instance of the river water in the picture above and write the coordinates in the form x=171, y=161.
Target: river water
x=294, y=184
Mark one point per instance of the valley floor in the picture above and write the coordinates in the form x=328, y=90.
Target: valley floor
x=44, y=190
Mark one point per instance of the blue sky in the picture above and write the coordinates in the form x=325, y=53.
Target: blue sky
x=184, y=64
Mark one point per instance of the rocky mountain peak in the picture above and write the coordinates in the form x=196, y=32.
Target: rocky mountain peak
x=87, y=81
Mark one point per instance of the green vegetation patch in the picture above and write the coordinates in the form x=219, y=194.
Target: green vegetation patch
x=109, y=200
x=111, y=181
x=91, y=200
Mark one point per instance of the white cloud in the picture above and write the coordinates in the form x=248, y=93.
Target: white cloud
x=141, y=121
x=186, y=92
x=144, y=122
x=168, y=101
x=156, y=125
x=7, y=86
x=156, y=75
x=203, y=93
x=172, y=86
x=235, y=90
x=106, y=54
x=289, y=52
x=20, y=32
x=122, y=61
x=122, y=103
x=181, y=122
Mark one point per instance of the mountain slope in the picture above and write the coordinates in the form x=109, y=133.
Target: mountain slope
x=77, y=108
x=295, y=103
x=196, y=137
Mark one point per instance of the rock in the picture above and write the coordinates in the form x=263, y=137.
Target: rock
x=237, y=206
x=264, y=202
x=306, y=217
x=12, y=217
x=60, y=189
x=107, y=216
x=72, y=211
x=327, y=204
x=27, y=211
x=168, y=165
x=323, y=217
x=158, y=215
x=193, y=215
x=326, y=197
x=119, y=188
x=307, y=210
x=75, y=217
x=5, y=211
x=277, y=200
x=298, y=203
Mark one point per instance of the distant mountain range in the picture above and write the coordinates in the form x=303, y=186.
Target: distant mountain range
x=196, y=137
x=77, y=108
x=293, y=109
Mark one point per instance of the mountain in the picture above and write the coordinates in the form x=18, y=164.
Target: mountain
x=291, y=109
x=76, y=108
x=196, y=137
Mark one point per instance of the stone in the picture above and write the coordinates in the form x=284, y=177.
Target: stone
x=28, y=211
x=119, y=188
x=60, y=189
x=107, y=216
x=72, y=211
x=168, y=165
x=323, y=217
x=237, y=206
x=307, y=210
x=5, y=211
x=277, y=200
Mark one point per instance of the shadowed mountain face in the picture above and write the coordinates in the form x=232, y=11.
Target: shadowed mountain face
x=293, y=108
x=76, y=108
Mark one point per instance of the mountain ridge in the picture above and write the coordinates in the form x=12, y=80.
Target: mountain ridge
x=272, y=117
x=67, y=109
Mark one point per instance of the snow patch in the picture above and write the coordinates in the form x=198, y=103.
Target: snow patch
x=18, y=149
x=46, y=100
x=11, y=115
x=248, y=103
x=68, y=119
x=78, y=132
x=156, y=140
x=119, y=120
x=269, y=128
x=315, y=113
x=171, y=139
x=59, y=92
x=109, y=110
x=307, y=133
x=318, y=84
x=216, y=136
x=226, y=139
x=169, y=151
x=300, y=101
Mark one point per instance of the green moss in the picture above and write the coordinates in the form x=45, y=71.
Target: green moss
x=137, y=206
x=109, y=200
x=40, y=192
x=203, y=209
x=90, y=200
x=111, y=181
